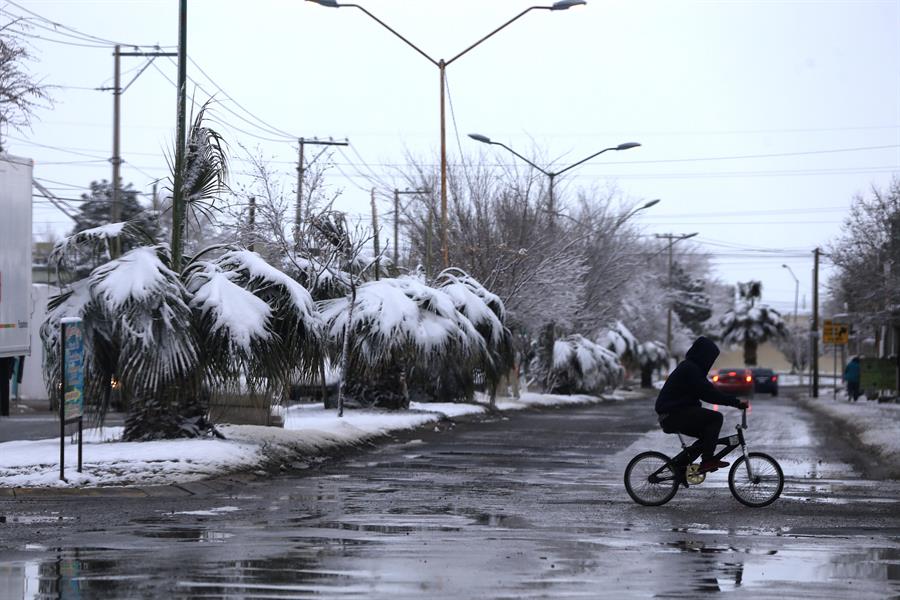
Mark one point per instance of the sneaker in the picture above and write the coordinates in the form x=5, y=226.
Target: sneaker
x=711, y=465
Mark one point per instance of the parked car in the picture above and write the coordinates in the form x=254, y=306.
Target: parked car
x=734, y=381
x=765, y=380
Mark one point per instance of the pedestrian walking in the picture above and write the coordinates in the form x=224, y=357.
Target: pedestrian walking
x=851, y=376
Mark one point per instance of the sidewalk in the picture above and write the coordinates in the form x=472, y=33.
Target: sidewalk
x=874, y=426
x=310, y=434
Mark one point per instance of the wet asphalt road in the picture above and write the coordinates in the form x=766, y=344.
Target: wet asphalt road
x=526, y=506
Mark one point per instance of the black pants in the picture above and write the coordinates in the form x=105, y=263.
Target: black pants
x=698, y=422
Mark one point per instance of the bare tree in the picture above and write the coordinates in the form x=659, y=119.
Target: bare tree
x=867, y=259
x=20, y=93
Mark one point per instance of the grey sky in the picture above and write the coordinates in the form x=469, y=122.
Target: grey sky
x=807, y=92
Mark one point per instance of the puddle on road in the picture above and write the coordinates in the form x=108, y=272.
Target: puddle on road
x=32, y=519
x=185, y=534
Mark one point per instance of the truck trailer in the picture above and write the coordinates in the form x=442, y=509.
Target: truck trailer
x=15, y=267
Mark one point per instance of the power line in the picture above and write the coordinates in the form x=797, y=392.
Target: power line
x=81, y=34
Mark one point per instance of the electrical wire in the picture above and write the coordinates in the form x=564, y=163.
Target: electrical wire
x=72, y=30
x=226, y=123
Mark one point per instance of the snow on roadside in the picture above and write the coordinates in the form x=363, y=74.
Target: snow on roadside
x=876, y=425
x=309, y=432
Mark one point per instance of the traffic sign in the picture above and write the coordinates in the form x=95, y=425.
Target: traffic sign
x=835, y=333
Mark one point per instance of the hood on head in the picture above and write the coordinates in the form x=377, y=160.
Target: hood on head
x=703, y=353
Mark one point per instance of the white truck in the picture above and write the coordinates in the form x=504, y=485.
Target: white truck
x=15, y=266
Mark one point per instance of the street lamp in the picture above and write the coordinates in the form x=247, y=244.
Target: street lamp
x=621, y=220
x=442, y=66
x=552, y=174
x=796, y=290
x=673, y=238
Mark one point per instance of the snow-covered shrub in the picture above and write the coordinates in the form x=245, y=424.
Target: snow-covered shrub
x=620, y=340
x=582, y=366
x=403, y=324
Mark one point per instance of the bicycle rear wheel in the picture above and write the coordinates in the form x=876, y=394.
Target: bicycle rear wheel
x=766, y=485
x=648, y=479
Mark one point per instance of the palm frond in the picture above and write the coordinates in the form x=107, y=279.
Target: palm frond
x=146, y=306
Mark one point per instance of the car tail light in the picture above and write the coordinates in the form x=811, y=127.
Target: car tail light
x=748, y=379
x=715, y=378
x=731, y=373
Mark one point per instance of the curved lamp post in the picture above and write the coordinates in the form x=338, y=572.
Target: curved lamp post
x=442, y=65
x=553, y=174
x=796, y=290
x=621, y=220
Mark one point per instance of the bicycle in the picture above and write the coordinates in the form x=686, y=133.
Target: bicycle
x=755, y=478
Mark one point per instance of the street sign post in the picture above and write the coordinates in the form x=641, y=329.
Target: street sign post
x=71, y=405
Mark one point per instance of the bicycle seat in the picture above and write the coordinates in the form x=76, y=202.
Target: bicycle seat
x=667, y=428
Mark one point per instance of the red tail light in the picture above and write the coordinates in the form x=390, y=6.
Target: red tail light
x=748, y=378
x=731, y=373
x=774, y=378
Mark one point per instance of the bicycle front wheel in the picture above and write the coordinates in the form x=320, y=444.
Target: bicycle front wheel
x=650, y=480
x=765, y=485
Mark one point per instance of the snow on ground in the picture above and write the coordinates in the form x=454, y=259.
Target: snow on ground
x=876, y=425
x=310, y=431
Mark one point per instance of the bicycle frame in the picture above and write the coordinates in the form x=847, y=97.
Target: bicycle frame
x=691, y=452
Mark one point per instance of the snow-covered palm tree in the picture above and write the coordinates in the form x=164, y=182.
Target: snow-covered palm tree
x=650, y=356
x=403, y=325
x=749, y=323
x=582, y=366
x=168, y=333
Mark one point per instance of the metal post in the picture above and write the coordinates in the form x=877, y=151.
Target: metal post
x=445, y=249
x=814, y=327
x=428, y=236
x=80, y=431
x=396, y=225
x=62, y=402
x=298, y=216
x=669, y=312
x=114, y=208
x=178, y=200
x=551, y=208
x=375, y=238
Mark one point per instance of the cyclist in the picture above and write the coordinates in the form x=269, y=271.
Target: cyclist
x=678, y=404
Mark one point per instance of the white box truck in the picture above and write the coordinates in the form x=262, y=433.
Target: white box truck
x=15, y=267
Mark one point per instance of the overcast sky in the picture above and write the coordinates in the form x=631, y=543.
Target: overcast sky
x=759, y=120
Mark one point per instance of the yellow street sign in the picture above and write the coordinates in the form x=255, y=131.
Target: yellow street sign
x=835, y=333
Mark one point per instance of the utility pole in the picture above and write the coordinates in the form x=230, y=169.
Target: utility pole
x=814, y=326
x=375, y=237
x=115, y=207
x=116, y=160
x=672, y=238
x=252, y=224
x=178, y=207
x=301, y=170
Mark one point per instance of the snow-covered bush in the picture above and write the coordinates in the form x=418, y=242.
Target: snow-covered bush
x=403, y=324
x=582, y=366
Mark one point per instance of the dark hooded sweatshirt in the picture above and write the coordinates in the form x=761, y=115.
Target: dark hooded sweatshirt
x=687, y=384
